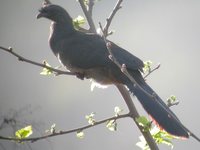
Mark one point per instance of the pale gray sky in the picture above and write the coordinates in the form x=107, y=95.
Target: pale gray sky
x=164, y=31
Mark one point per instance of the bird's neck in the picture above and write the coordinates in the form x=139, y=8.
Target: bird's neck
x=59, y=31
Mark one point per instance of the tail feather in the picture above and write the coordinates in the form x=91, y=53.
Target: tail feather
x=157, y=109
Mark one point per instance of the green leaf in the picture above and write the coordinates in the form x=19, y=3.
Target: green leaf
x=24, y=132
x=117, y=110
x=86, y=2
x=112, y=125
x=172, y=100
x=90, y=118
x=147, y=66
x=46, y=71
x=144, y=122
x=78, y=22
x=80, y=134
x=160, y=137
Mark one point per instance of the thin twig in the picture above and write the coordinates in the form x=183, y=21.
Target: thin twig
x=110, y=18
x=88, y=17
x=172, y=104
x=21, y=58
x=152, y=70
x=64, y=132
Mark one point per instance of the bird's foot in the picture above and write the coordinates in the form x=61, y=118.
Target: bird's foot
x=80, y=75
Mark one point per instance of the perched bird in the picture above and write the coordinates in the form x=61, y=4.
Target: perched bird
x=87, y=55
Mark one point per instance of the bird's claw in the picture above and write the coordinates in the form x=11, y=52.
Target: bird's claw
x=80, y=75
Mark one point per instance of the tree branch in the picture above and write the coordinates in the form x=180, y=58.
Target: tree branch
x=88, y=17
x=134, y=115
x=90, y=7
x=34, y=139
x=152, y=70
x=21, y=58
x=125, y=94
x=127, y=98
x=110, y=18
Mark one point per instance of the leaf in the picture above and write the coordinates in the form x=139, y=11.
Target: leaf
x=80, y=134
x=112, y=125
x=172, y=100
x=90, y=118
x=24, y=132
x=86, y=2
x=53, y=128
x=144, y=122
x=160, y=137
x=78, y=22
x=46, y=71
x=117, y=110
x=147, y=66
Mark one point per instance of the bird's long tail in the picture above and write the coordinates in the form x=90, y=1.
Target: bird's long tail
x=157, y=109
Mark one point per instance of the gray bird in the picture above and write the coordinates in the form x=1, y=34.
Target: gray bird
x=87, y=55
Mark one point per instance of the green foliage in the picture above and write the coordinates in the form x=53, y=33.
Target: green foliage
x=46, y=71
x=78, y=22
x=172, y=100
x=86, y=2
x=117, y=111
x=147, y=66
x=144, y=123
x=24, y=132
x=90, y=118
x=111, y=125
x=80, y=134
x=160, y=136
x=52, y=130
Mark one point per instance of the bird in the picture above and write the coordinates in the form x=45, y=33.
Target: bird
x=87, y=55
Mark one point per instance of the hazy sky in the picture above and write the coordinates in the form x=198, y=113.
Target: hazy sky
x=164, y=31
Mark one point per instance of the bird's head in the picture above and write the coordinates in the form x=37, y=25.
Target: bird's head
x=54, y=12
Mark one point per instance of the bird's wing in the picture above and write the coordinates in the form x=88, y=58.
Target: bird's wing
x=124, y=57
x=89, y=50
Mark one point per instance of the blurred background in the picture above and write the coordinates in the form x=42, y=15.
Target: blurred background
x=165, y=31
